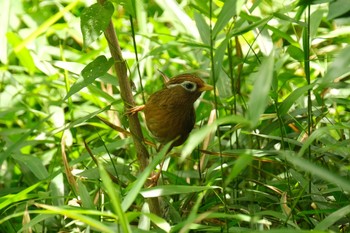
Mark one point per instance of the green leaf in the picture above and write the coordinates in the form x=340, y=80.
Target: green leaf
x=92, y=71
x=138, y=184
x=85, y=196
x=5, y=6
x=241, y=163
x=195, y=139
x=115, y=198
x=315, y=20
x=80, y=215
x=129, y=6
x=291, y=99
x=317, y=170
x=257, y=23
x=94, y=21
x=333, y=218
x=23, y=55
x=281, y=34
x=168, y=190
x=198, y=136
x=34, y=164
x=339, y=67
x=203, y=28
x=179, y=18
x=20, y=142
x=160, y=222
x=338, y=8
x=97, y=68
x=218, y=60
x=318, y=134
x=295, y=53
x=18, y=197
x=230, y=9
x=259, y=97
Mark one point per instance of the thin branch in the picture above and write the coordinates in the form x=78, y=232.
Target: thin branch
x=128, y=99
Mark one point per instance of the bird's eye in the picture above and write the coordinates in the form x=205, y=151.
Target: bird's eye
x=189, y=86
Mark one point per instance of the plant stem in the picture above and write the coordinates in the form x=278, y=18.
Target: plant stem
x=306, y=43
x=128, y=99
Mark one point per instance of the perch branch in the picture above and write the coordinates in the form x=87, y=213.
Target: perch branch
x=128, y=99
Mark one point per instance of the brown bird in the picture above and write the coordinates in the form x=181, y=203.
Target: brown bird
x=169, y=113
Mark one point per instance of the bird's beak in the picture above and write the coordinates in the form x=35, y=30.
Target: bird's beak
x=206, y=87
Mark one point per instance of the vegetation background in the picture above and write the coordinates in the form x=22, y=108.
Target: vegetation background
x=271, y=150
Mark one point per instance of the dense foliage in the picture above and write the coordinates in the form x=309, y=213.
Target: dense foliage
x=270, y=151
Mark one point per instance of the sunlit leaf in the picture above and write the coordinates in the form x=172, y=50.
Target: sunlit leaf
x=230, y=9
x=295, y=53
x=94, y=21
x=92, y=71
x=172, y=190
x=23, y=55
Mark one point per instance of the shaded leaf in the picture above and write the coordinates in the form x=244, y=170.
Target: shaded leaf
x=338, y=8
x=291, y=99
x=138, y=184
x=333, y=218
x=20, y=142
x=317, y=170
x=84, y=195
x=241, y=164
x=34, y=164
x=339, y=67
x=259, y=97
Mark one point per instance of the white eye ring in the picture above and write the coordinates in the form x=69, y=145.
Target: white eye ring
x=189, y=86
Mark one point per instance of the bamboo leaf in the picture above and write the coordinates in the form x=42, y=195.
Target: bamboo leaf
x=259, y=97
x=230, y=9
x=173, y=189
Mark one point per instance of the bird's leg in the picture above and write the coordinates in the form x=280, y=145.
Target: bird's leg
x=155, y=177
x=134, y=110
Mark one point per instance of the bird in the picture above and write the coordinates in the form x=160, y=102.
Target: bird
x=169, y=113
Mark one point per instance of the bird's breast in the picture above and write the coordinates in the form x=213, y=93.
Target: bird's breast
x=169, y=122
